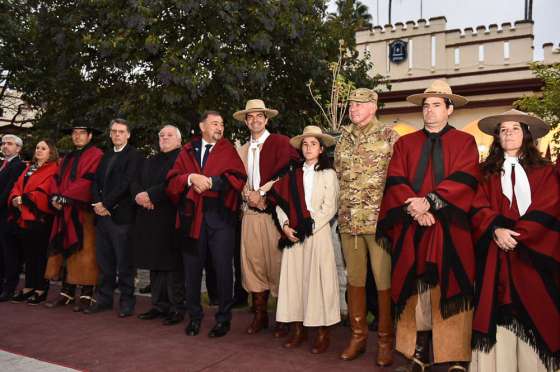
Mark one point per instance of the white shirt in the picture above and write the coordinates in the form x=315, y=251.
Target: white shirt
x=115, y=149
x=202, y=151
x=308, y=178
x=253, y=166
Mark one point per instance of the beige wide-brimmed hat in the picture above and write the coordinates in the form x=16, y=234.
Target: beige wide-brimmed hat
x=312, y=131
x=438, y=88
x=537, y=126
x=255, y=105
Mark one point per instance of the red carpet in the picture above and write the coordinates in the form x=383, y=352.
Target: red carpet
x=104, y=342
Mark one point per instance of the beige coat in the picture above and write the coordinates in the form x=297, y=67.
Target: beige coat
x=308, y=289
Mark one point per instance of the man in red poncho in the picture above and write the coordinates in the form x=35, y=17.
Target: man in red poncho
x=266, y=157
x=431, y=182
x=205, y=184
x=73, y=231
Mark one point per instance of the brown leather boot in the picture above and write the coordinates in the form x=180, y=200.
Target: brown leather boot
x=322, y=341
x=385, y=329
x=358, y=323
x=260, y=318
x=281, y=330
x=297, y=336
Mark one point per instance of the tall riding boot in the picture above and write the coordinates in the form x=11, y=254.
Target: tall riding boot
x=322, y=341
x=260, y=318
x=358, y=323
x=385, y=329
x=421, y=358
x=297, y=336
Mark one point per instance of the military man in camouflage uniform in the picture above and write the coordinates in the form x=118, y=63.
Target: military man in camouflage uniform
x=361, y=159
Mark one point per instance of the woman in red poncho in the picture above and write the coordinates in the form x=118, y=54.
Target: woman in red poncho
x=30, y=207
x=516, y=227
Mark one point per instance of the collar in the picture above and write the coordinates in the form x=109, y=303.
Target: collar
x=255, y=143
x=356, y=131
x=11, y=158
x=119, y=150
x=204, y=143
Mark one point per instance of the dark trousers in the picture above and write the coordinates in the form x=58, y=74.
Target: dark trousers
x=216, y=239
x=10, y=256
x=239, y=292
x=34, y=241
x=114, y=258
x=168, y=290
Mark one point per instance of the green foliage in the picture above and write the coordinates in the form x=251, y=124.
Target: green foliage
x=546, y=106
x=166, y=61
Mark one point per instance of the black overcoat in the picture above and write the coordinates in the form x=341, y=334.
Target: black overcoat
x=154, y=237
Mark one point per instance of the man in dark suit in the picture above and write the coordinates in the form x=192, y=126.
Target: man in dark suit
x=113, y=204
x=205, y=182
x=10, y=169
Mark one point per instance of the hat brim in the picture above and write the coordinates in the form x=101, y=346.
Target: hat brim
x=326, y=139
x=537, y=126
x=89, y=129
x=269, y=113
x=457, y=100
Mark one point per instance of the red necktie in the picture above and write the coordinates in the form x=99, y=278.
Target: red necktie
x=3, y=165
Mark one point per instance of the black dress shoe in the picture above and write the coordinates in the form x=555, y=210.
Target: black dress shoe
x=153, y=313
x=97, y=308
x=146, y=289
x=126, y=313
x=219, y=330
x=6, y=296
x=193, y=328
x=173, y=318
x=20, y=296
x=37, y=299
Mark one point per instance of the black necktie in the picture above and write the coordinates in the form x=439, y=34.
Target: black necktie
x=206, y=153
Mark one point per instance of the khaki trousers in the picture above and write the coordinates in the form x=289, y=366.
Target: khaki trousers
x=355, y=249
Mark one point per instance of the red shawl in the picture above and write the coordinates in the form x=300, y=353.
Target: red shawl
x=34, y=194
x=73, y=182
x=521, y=289
x=224, y=161
x=275, y=157
x=288, y=193
x=442, y=253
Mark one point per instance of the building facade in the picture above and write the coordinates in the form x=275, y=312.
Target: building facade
x=489, y=66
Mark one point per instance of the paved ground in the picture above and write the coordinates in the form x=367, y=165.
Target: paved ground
x=103, y=342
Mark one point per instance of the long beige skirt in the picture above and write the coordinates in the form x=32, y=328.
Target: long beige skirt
x=509, y=354
x=260, y=256
x=309, y=290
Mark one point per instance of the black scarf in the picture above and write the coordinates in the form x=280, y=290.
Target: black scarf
x=431, y=148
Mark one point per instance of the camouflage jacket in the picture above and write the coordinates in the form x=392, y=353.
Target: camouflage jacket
x=361, y=159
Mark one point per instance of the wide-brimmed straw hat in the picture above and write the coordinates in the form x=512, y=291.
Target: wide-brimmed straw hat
x=68, y=130
x=438, y=88
x=537, y=126
x=255, y=105
x=312, y=131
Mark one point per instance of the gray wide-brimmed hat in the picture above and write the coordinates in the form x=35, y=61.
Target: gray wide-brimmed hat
x=438, y=88
x=537, y=126
x=255, y=105
x=312, y=131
